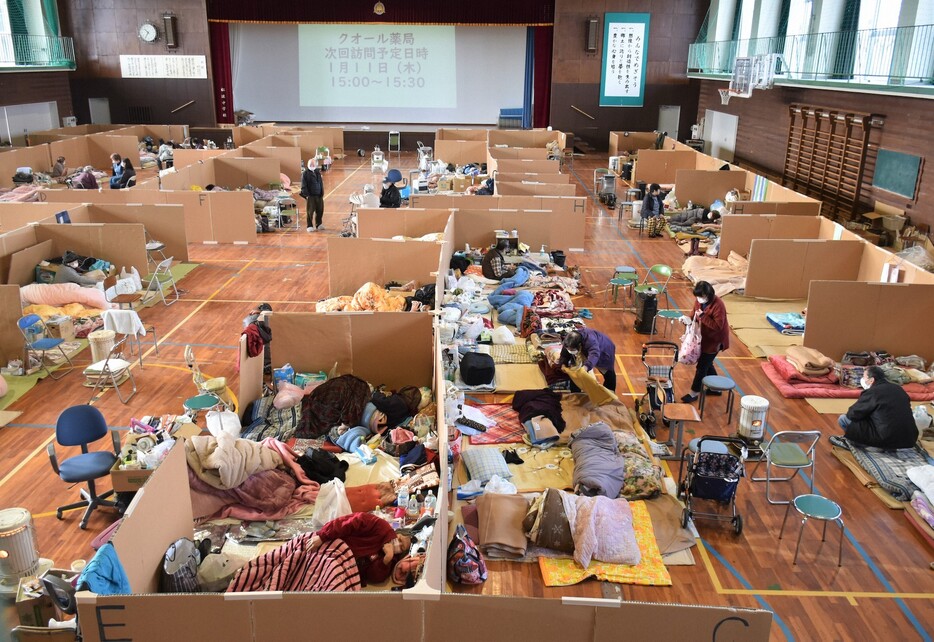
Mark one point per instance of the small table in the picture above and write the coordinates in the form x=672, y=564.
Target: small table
x=676, y=414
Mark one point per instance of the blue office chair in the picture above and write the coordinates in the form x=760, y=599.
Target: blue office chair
x=38, y=341
x=80, y=426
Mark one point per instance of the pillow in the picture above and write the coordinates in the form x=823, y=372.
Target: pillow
x=484, y=462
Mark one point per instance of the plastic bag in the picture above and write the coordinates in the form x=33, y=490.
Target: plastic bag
x=217, y=570
x=500, y=486
x=331, y=503
x=690, y=344
x=471, y=327
x=503, y=336
x=223, y=421
x=922, y=418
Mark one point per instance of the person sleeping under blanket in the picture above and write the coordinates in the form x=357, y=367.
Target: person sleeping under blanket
x=375, y=545
x=68, y=272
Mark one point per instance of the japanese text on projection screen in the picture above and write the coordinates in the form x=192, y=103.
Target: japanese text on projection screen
x=377, y=66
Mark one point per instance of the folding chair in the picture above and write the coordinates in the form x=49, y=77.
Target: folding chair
x=128, y=323
x=111, y=371
x=153, y=247
x=215, y=386
x=37, y=340
x=661, y=270
x=120, y=299
x=791, y=450
x=156, y=282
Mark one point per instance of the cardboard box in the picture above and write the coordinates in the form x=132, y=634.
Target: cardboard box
x=61, y=328
x=128, y=481
x=461, y=183
x=33, y=611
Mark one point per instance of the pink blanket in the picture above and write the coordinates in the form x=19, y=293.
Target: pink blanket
x=59, y=294
x=789, y=373
x=793, y=390
x=21, y=194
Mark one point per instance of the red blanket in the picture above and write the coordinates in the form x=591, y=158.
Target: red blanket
x=789, y=373
x=798, y=390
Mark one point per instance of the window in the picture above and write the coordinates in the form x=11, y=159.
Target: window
x=876, y=40
x=796, y=44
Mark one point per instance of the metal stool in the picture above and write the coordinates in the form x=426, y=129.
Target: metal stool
x=816, y=507
x=671, y=316
x=721, y=384
x=622, y=281
x=194, y=405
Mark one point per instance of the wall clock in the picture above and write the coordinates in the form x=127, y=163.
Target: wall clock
x=148, y=32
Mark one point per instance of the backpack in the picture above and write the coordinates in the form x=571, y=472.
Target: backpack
x=477, y=369
x=465, y=562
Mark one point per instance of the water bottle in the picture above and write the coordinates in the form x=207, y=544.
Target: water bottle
x=430, y=503
x=411, y=511
x=402, y=498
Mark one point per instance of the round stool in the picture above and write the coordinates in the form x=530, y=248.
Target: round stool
x=709, y=446
x=671, y=316
x=194, y=405
x=718, y=384
x=627, y=281
x=623, y=269
x=816, y=507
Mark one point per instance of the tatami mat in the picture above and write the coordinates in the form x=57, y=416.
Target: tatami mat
x=840, y=406
x=757, y=338
x=7, y=416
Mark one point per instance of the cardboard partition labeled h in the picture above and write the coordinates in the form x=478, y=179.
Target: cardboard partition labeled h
x=855, y=316
x=784, y=269
x=738, y=230
x=354, y=262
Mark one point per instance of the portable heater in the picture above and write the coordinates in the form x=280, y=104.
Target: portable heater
x=19, y=556
x=752, y=418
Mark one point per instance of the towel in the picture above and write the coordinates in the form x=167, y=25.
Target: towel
x=124, y=322
x=808, y=358
x=500, y=521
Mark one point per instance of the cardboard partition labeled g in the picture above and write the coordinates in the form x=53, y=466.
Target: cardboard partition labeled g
x=784, y=269
x=354, y=262
x=855, y=316
x=738, y=230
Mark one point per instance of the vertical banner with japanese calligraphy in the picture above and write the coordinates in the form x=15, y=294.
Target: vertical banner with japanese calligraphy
x=625, y=49
x=363, y=65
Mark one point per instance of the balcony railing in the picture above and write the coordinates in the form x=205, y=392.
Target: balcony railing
x=900, y=56
x=21, y=52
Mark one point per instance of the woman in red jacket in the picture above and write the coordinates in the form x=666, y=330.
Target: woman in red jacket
x=715, y=335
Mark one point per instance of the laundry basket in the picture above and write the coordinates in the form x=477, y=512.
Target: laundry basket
x=102, y=342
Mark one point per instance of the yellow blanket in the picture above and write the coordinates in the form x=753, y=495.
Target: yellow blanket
x=586, y=380
x=650, y=571
x=73, y=310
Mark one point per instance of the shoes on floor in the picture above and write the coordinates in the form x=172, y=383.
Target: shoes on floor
x=714, y=393
x=320, y=228
x=689, y=398
x=310, y=229
x=585, y=314
x=840, y=442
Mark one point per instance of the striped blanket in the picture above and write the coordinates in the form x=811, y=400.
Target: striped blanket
x=292, y=567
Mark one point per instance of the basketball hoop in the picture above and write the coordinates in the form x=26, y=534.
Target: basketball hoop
x=725, y=96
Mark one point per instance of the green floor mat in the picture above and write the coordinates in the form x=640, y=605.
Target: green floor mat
x=19, y=386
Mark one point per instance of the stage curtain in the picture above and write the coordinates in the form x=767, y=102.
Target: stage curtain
x=220, y=67
x=541, y=101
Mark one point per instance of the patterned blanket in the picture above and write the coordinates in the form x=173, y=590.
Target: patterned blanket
x=508, y=429
x=889, y=467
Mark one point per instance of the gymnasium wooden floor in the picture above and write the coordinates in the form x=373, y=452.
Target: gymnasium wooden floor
x=884, y=589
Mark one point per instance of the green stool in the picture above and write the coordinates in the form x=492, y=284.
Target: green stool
x=816, y=507
x=619, y=281
x=671, y=316
x=194, y=405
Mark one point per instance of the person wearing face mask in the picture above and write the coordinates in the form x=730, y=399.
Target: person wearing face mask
x=595, y=350
x=881, y=417
x=68, y=272
x=313, y=193
x=710, y=312
x=390, y=196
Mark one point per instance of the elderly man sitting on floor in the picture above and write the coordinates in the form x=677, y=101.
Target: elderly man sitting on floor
x=881, y=417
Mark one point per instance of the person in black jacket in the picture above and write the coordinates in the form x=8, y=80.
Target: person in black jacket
x=881, y=417
x=390, y=196
x=653, y=210
x=313, y=193
x=124, y=178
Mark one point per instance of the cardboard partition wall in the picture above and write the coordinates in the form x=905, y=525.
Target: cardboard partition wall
x=629, y=142
x=185, y=157
x=289, y=159
x=216, y=217
x=879, y=264
x=522, y=166
x=23, y=263
x=460, y=152
x=528, y=188
x=704, y=187
x=525, y=137
x=38, y=157
x=311, y=137
x=448, y=133
x=237, y=172
x=576, y=204
x=554, y=230
x=306, y=143
x=164, y=223
x=376, y=223
x=11, y=243
x=533, y=178
x=101, y=146
x=661, y=166
x=784, y=269
x=136, y=195
x=244, y=135
x=738, y=230
x=392, y=348
x=76, y=153
x=123, y=244
x=854, y=316
x=16, y=215
x=795, y=208
x=518, y=153
x=11, y=341
x=177, y=133
x=183, y=178
x=354, y=262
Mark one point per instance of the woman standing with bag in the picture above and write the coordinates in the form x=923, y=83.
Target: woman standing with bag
x=710, y=312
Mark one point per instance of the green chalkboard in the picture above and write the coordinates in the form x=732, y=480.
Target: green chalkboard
x=897, y=172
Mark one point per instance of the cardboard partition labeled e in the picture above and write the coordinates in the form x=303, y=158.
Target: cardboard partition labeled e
x=354, y=262
x=784, y=269
x=855, y=316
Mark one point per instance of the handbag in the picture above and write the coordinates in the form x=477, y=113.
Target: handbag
x=857, y=359
x=465, y=561
x=690, y=344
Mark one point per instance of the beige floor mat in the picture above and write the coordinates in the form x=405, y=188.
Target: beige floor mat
x=866, y=479
x=511, y=377
x=8, y=416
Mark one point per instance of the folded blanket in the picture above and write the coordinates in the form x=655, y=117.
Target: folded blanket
x=546, y=523
x=500, y=521
x=64, y=293
x=602, y=530
x=598, y=465
x=791, y=374
x=808, y=357
x=790, y=323
x=226, y=462
x=808, y=372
